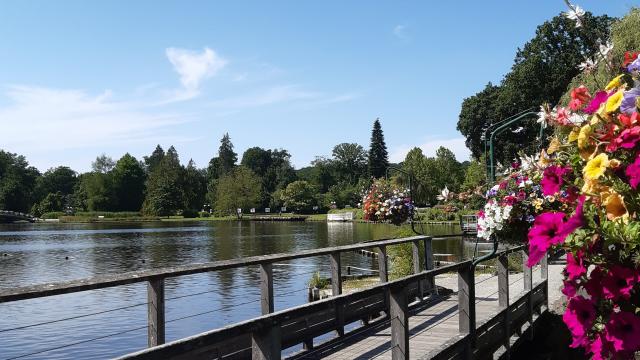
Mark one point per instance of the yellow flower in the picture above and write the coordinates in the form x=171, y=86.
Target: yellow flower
x=544, y=160
x=596, y=167
x=553, y=146
x=614, y=101
x=616, y=82
x=614, y=204
x=593, y=186
x=583, y=136
x=573, y=135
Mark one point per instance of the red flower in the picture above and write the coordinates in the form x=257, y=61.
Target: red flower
x=628, y=120
x=623, y=331
x=579, y=96
x=619, y=282
x=629, y=57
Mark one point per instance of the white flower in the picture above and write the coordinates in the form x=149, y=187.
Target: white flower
x=575, y=13
x=576, y=119
x=587, y=65
x=606, y=48
x=444, y=194
x=543, y=116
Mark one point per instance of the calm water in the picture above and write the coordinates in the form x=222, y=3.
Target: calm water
x=42, y=253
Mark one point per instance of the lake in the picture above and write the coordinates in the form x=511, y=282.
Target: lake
x=115, y=321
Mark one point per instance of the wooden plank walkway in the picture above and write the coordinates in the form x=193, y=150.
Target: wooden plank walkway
x=430, y=325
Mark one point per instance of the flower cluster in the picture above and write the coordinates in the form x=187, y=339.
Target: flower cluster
x=594, y=161
x=514, y=201
x=385, y=202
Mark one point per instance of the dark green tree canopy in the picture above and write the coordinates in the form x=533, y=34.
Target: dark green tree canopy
x=129, y=183
x=60, y=179
x=165, y=194
x=154, y=159
x=227, y=156
x=378, y=156
x=541, y=72
x=350, y=161
x=17, y=182
x=103, y=164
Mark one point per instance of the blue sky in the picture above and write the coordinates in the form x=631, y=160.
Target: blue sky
x=81, y=78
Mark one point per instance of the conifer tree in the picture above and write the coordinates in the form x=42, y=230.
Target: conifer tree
x=378, y=156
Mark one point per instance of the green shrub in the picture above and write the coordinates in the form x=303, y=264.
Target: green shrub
x=190, y=214
x=52, y=215
x=204, y=214
x=318, y=281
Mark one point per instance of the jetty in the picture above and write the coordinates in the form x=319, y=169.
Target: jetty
x=442, y=312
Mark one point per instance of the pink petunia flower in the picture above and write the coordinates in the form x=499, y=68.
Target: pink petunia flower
x=569, y=289
x=619, y=282
x=623, y=331
x=600, y=348
x=594, y=283
x=552, y=179
x=544, y=233
x=633, y=173
x=575, y=265
x=599, y=98
x=576, y=220
x=628, y=139
x=579, y=317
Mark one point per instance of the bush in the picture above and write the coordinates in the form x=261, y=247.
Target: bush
x=52, y=215
x=435, y=214
x=204, y=214
x=319, y=282
x=190, y=214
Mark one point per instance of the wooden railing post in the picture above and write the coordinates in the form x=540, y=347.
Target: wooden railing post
x=336, y=289
x=428, y=265
x=528, y=285
x=399, y=322
x=467, y=305
x=503, y=300
x=383, y=264
x=267, y=344
x=155, y=312
x=266, y=288
x=415, y=246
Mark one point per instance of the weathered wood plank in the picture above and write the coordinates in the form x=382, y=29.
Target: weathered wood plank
x=266, y=288
x=336, y=289
x=415, y=250
x=466, y=303
x=383, y=264
x=155, y=312
x=266, y=344
x=399, y=320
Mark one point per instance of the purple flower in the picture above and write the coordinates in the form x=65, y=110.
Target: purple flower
x=635, y=65
x=628, y=105
x=598, y=99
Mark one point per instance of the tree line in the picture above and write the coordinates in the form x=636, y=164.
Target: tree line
x=160, y=185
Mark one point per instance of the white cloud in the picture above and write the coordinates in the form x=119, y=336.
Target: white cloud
x=193, y=67
x=37, y=121
x=456, y=145
x=400, y=31
x=280, y=94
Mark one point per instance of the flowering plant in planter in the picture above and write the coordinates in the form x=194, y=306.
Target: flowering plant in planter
x=386, y=202
x=595, y=158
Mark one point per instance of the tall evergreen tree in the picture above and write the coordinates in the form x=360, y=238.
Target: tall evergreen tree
x=378, y=156
x=195, y=187
x=154, y=159
x=227, y=156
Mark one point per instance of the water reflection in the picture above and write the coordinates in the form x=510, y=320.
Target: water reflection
x=42, y=253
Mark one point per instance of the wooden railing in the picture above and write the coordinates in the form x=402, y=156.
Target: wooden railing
x=264, y=337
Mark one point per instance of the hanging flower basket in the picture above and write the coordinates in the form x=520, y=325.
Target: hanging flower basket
x=388, y=203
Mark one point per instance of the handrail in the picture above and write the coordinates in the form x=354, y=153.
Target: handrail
x=100, y=282
x=263, y=323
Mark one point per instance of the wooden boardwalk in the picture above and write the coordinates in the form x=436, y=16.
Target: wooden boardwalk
x=431, y=325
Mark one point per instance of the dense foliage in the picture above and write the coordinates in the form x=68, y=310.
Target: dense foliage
x=541, y=72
